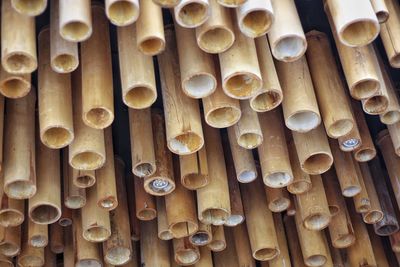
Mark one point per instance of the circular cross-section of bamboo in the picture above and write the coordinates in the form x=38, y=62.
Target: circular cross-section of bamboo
x=192, y=13
x=29, y=7
x=122, y=12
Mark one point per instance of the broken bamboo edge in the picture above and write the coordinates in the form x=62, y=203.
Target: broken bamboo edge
x=144, y=202
x=389, y=32
x=10, y=245
x=64, y=57
x=14, y=85
x=31, y=8
x=29, y=256
x=218, y=242
x=203, y=235
x=278, y=199
x=56, y=235
x=185, y=253
x=242, y=244
x=192, y=13
x=164, y=233
x=166, y=3
x=55, y=106
x=194, y=170
x=133, y=220
x=181, y=139
x=150, y=29
x=38, y=235
x=394, y=132
x=301, y=182
x=74, y=197
x=228, y=256
x=75, y=20
x=286, y=36
x=255, y=17
x=11, y=210
x=136, y=71
x=300, y=107
x=154, y=251
x=122, y=12
x=247, y=129
x=18, y=42
x=381, y=10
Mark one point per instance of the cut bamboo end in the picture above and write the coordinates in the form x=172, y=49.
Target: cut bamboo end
x=10, y=246
x=241, y=84
x=203, y=236
x=277, y=198
x=144, y=202
x=200, y=85
x=14, y=86
x=122, y=12
x=266, y=100
x=192, y=13
x=29, y=8
x=185, y=253
x=255, y=17
x=164, y=233
x=64, y=63
x=301, y=181
x=75, y=20
x=6, y=261
x=38, y=235
x=140, y=96
x=231, y=3
x=218, y=242
x=366, y=88
x=44, y=213
x=66, y=216
x=247, y=130
x=375, y=105
x=194, y=170
x=381, y=10
x=29, y=256
x=389, y=29
x=11, y=217
x=83, y=179
x=166, y=3
x=56, y=235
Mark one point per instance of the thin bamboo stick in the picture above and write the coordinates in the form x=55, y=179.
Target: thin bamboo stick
x=218, y=242
x=293, y=242
x=247, y=130
x=154, y=251
x=183, y=127
x=11, y=210
x=192, y=13
x=203, y=236
x=57, y=241
x=301, y=181
x=122, y=12
x=255, y=17
x=283, y=259
x=366, y=151
x=194, y=170
x=286, y=36
x=29, y=8
x=185, y=253
x=381, y=10
x=166, y=3
x=278, y=199
x=375, y=213
x=389, y=32
x=133, y=220
x=164, y=233
x=242, y=244
x=18, y=42
x=14, y=85
x=19, y=145
x=145, y=203
x=227, y=257
x=10, y=245
x=64, y=57
x=74, y=197
x=394, y=132
x=75, y=20
x=205, y=258
x=29, y=256
x=150, y=29
x=361, y=201
x=38, y=234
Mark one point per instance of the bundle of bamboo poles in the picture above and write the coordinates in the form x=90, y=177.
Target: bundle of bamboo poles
x=275, y=166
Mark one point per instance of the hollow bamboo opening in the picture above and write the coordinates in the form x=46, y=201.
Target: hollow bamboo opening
x=200, y=238
x=351, y=191
x=241, y=85
x=15, y=87
x=216, y=40
x=247, y=176
x=373, y=216
x=123, y=12
x=143, y=169
x=193, y=14
x=75, y=31
x=20, y=189
x=231, y=3
x=99, y=118
x=303, y=121
x=84, y=180
x=45, y=214
x=365, y=88
x=57, y=137
x=340, y=127
x=318, y=163
x=299, y=187
x=185, y=143
x=364, y=155
x=118, y=255
x=140, y=97
x=215, y=216
x=187, y=256
x=147, y=214
x=266, y=101
x=88, y=160
x=183, y=228
x=39, y=241
x=29, y=7
x=265, y=253
x=9, y=249
x=159, y=185
x=386, y=229
x=316, y=221
x=250, y=140
x=20, y=62
x=277, y=179
x=279, y=204
x=151, y=46
x=390, y=117
x=315, y=260
x=88, y=263
x=75, y=202
x=290, y=47
x=360, y=32
x=193, y=181
x=200, y=85
x=11, y=218
x=64, y=63
x=65, y=222
x=166, y=3
x=222, y=117
x=375, y=104
x=96, y=234
x=257, y=23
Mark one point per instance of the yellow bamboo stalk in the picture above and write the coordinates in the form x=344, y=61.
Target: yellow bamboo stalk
x=74, y=197
x=75, y=20
x=29, y=256
x=283, y=259
x=381, y=10
x=144, y=202
x=247, y=130
x=191, y=13
x=229, y=256
x=255, y=17
x=278, y=199
x=375, y=213
x=38, y=235
x=301, y=181
x=164, y=233
x=218, y=242
x=389, y=32
x=293, y=242
x=185, y=252
x=242, y=244
x=11, y=210
x=194, y=170
x=14, y=85
x=154, y=251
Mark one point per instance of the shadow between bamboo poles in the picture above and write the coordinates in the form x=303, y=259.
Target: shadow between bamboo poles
x=133, y=220
x=154, y=251
x=56, y=235
x=218, y=242
x=381, y=10
x=194, y=170
x=278, y=199
x=164, y=233
x=301, y=181
x=64, y=57
x=247, y=130
x=136, y=71
x=185, y=253
x=14, y=85
x=11, y=210
x=361, y=201
x=255, y=17
x=192, y=13
x=75, y=20
x=29, y=256
x=18, y=41
x=68, y=254
x=74, y=197
x=122, y=12
x=6, y=261
x=293, y=242
x=166, y=3
x=10, y=245
x=203, y=235
x=228, y=256
x=31, y=9
x=389, y=32
x=38, y=235
x=242, y=244
x=394, y=132
x=144, y=202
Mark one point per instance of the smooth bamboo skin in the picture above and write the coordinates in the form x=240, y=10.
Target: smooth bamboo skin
x=255, y=17
x=18, y=47
x=6, y=261
x=144, y=202
x=229, y=256
x=278, y=199
x=270, y=95
x=154, y=251
x=375, y=213
x=191, y=13
x=29, y=256
x=97, y=80
x=300, y=107
x=242, y=244
x=286, y=35
x=185, y=253
x=203, y=235
x=259, y=221
x=11, y=210
x=38, y=235
x=213, y=202
x=75, y=20
x=14, y=85
x=183, y=127
x=136, y=71
x=57, y=241
x=273, y=153
x=74, y=197
x=366, y=151
x=10, y=245
x=381, y=10
x=194, y=170
x=164, y=233
x=301, y=181
x=133, y=220
x=206, y=259
x=394, y=132
x=95, y=220
x=54, y=100
x=218, y=242
x=122, y=12
x=361, y=201
x=283, y=259
x=198, y=80
x=247, y=130
x=293, y=242
x=166, y=3
x=64, y=55
x=389, y=32
x=19, y=145
x=243, y=160
x=29, y=8
x=150, y=29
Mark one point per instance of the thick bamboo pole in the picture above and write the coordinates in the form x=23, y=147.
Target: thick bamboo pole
x=38, y=234
x=50, y=258
x=10, y=245
x=19, y=145
x=283, y=259
x=361, y=201
x=247, y=130
x=194, y=170
x=206, y=259
x=185, y=252
x=255, y=17
x=6, y=261
x=300, y=107
x=11, y=210
x=183, y=127
x=366, y=151
x=293, y=242
x=213, y=203
x=164, y=233
x=270, y=95
x=394, y=132
x=301, y=181
x=74, y=197
x=14, y=85
x=381, y=10
x=144, y=202
x=198, y=80
x=18, y=44
x=262, y=233
x=375, y=213
x=242, y=244
x=75, y=20
x=278, y=199
x=216, y=34
x=150, y=29
x=29, y=8
x=389, y=32
x=133, y=220
x=64, y=57
x=392, y=113
x=95, y=220
x=29, y=256
x=154, y=251
x=136, y=71
x=56, y=235
x=166, y=3
x=122, y=12
x=218, y=242
x=203, y=236
x=273, y=153
x=192, y=13
x=227, y=257
x=286, y=36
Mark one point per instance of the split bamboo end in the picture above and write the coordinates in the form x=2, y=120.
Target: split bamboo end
x=122, y=12
x=29, y=8
x=375, y=105
x=191, y=13
x=242, y=85
x=143, y=169
x=15, y=86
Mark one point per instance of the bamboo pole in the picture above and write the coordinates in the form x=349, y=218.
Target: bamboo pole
x=11, y=210
x=262, y=233
x=379, y=251
x=29, y=256
x=183, y=127
x=83, y=178
x=164, y=233
x=66, y=216
x=136, y=71
x=38, y=235
x=218, y=242
x=29, y=8
x=57, y=241
x=283, y=259
x=278, y=199
x=352, y=141
x=242, y=244
x=185, y=253
x=381, y=10
x=87, y=151
x=366, y=151
x=335, y=255
x=95, y=220
x=198, y=80
x=270, y=95
x=361, y=201
x=227, y=257
x=375, y=213
x=166, y=3
x=291, y=209
x=286, y=36
x=145, y=203
x=133, y=219
x=394, y=132
x=154, y=251
x=97, y=81
x=150, y=29
x=68, y=255
x=273, y=153
x=75, y=20
x=247, y=130
x=10, y=245
x=301, y=181
x=122, y=12
x=205, y=258
x=2, y=101
x=300, y=108
x=389, y=32
x=6, y=261
x=64, y=57
x=194, y=170
x=14, y=85
x=18, y=42
x=213, y=202
x=216, y=34
x=293, y=242
x=19, y=146
x=50, y=258
x=54, y=100
x=395, y=242
x=74, y=197
x=191, y=13
x=255, y=17
x=203, y=235
x=231, y=3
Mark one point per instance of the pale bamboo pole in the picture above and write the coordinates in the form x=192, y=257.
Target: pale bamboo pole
x=203, y=236
x=255, y=17
x=38, y=234
x=283, y=259
x=18, y=44
x=273, y=153
x=205, y=258
x=183, y=127
x=218, y=242
x=394, y=132
x=198, y=80
x=95, y=220
x=381, y=10
x=213, y=202
x=242, y=244
x=166, y=3
x=185, y=253
x=122, y=12
x=262, y=233
x=389, y=32
x=11, y=210
x=361, y=201
x=136, y=71
x=69, y=250
x=150, y=29
x=366, y=151
x=144, y=202
x=194, y=170
x=54, y=100
x=19, y=145
x=154, y=251
x=133, y=220
x=6, y=261
x=162, y=181
x=247, y=130
x=270, y=95
x=229, y=256
x=216, y=34
x=293, y=242
x=75, y=20
x=10, y=245
x=74, y=197
x=286, y=36
x=87, y=151
x=164, y=233
x=64, y=57
x=278, y=199
x=301, y=181
x=192, y=13
x=29, y=8
x=14, y=85
x=29, y=256
x=375, y=213
x=97, y=80
x=56, y=235
x=300, y=107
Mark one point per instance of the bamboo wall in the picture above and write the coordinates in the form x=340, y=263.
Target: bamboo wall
x=252, y=141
